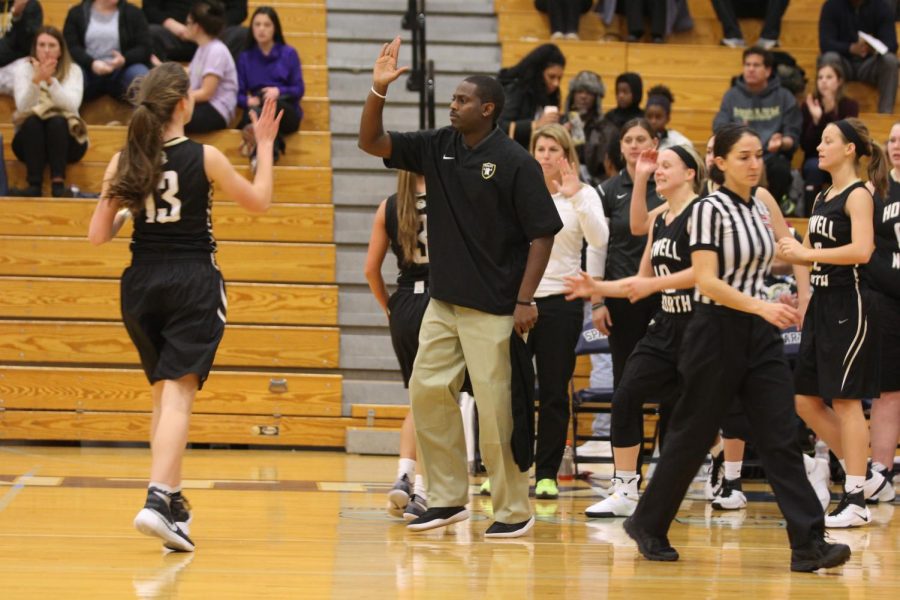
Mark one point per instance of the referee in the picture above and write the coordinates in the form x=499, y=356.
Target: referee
x=491, y=223
x=732, y=347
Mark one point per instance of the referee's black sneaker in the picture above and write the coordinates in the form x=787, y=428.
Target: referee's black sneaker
x=652, y=547
x=509, y=530
x=439, y=517
x=818, y=554
x=156, y=519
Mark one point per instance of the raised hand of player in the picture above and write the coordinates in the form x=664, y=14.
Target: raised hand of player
x=386, y=70
x=637, y=288
x=570, y=184
x=578, y=286
x=265, y=126
x=780, y=315
x=646, y=164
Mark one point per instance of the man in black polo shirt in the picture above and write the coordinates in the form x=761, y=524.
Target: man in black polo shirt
x=491, y=223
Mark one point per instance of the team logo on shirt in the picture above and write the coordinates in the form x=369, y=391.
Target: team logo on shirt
x=488, y=170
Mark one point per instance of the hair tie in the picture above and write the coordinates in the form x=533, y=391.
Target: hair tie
x=685, y=156
x=850, y=134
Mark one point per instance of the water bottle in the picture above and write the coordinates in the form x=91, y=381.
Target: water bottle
x=567, y=466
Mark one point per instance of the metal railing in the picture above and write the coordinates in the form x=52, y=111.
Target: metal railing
x=421, y=75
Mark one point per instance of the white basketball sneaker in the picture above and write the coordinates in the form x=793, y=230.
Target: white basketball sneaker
x=621, y=503
x=731, y=496
x=818, y=473
x=878, y=488
x=851, y=511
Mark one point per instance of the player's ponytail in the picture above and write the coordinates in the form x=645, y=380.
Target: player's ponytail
x=407, y=216
x=140, y=162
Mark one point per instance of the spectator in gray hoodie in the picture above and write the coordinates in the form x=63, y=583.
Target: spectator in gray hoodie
x=758, y=100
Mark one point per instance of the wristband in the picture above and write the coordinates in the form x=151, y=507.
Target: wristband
x=597, y=305
x=526, y=303
x=372, y=89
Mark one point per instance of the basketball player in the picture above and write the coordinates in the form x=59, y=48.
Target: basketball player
x=730, y=348
x=491, y=223
x=839, y=354
x=173, y=295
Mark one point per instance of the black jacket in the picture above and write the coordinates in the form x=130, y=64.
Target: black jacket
x=158, y=11
x=520, y=109
x=839, y=23
x=134, y=35
x=19, y=38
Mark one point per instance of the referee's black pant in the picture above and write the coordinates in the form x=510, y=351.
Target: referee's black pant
x=728, y=354
x=552, y=343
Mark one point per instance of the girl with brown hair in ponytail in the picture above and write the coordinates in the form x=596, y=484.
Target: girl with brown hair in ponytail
x=173, y=295
x=840, y=351
x=400, y=224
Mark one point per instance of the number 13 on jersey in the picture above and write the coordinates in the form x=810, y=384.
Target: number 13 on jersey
x=168, y=190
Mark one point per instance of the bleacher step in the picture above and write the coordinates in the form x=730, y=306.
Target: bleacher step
x=373, y=440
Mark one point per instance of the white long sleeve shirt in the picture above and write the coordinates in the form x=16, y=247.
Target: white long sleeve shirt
x=66, y=94
x=583, y=219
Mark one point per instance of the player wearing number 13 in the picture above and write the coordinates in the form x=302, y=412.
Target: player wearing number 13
x=173, y=295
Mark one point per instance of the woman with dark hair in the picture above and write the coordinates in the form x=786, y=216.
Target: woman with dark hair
x=110, y=41
x=658, y=113
x=268, y=68
x=840, y=351
x=733, y=347
x=826, y=105
x=212, y=71
x=564, y=16
x=49, y=131
x=173, y=295
x=532, y=92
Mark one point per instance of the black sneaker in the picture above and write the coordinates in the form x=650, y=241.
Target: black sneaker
x=415, y=508
x=181, y=511
x=507, y=530
x=653, y=548
x=818, y=554
x=155, y=519
x=439, y=517
x=32, y=191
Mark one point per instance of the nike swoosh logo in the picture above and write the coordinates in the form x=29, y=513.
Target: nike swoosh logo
x=449, y=157
x=840, y=322
x=620, y=196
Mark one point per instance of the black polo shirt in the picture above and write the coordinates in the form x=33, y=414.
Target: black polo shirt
x=623, y=255
x=485, y=205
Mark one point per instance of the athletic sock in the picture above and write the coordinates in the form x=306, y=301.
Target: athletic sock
x=162, y=490
x=733, y=470
x=419, y=487
x=406, y=466
x=626, y=476
x=854, y=483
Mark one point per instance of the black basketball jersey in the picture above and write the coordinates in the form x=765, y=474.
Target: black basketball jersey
x=413, y=268
x=670, y=253
x=830, y=227
x=177, y=217
x=883, y=270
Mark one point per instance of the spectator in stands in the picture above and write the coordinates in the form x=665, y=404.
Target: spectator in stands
x=110, y=41
x=771, y=11
x=48, y=129
x=636, y=10
x=591, y=132
x=840, y=24
x=268, y=68
x=826, y=105
x=169, y=34
x=629, y=93
x=21, y=20
x=758, y=100
x=658, y=113
x=213, y=74
x=564, y=16
x=532, y=92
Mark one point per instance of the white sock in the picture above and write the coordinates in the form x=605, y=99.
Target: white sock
x=843, y=464
x=626, y=476
x=854, y=483
x=406, y=466
x=167, y=496
x=733, y=470
x=877, y=467
x=419, y=487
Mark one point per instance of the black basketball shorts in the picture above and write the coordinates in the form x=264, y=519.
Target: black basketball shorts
x=407, y=310
x=174, y=312
x=839, y=354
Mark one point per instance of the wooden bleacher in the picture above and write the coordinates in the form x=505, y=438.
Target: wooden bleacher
x=67, y=368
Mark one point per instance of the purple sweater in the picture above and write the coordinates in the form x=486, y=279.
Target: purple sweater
x=281, y=68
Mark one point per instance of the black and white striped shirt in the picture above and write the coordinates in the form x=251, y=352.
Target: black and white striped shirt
x=740, y=233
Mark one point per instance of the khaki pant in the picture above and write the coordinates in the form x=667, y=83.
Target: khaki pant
x=450, y=339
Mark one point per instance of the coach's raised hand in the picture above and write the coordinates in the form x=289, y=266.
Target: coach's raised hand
x=372, y=138
x=386, y=71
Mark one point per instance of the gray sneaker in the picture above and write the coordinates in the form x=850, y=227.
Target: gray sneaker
x=733, y=42
x=416, y=508
x=399, y=496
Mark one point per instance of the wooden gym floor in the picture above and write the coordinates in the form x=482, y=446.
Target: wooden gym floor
x=279, y=524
